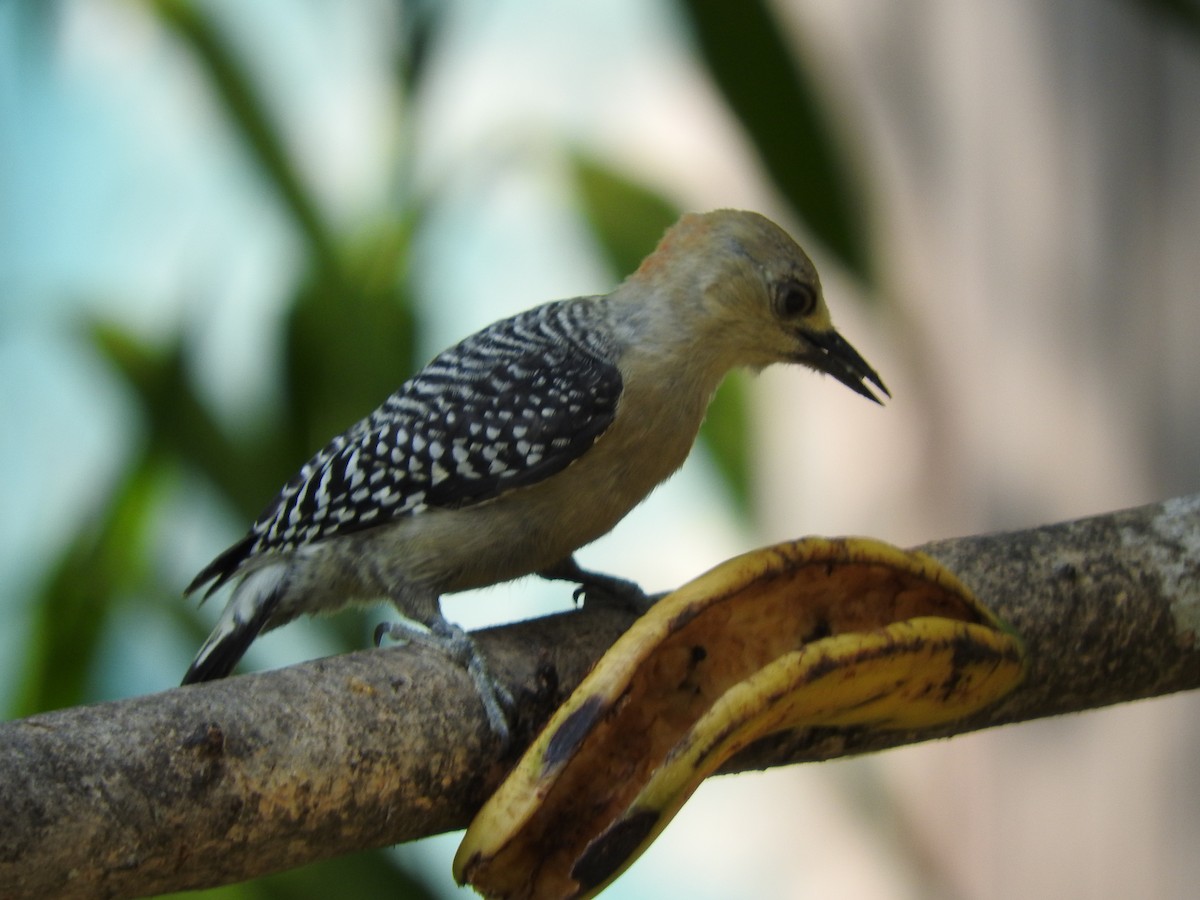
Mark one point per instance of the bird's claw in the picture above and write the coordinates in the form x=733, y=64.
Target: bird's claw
x=596, y=587
x=610, y=591
x=498, y=701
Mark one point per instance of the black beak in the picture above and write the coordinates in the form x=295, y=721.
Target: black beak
x=829, y=352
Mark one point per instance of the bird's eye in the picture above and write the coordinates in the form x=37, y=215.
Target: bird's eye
x=796, y=300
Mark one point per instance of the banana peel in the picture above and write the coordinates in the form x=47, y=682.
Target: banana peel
x=830, y=632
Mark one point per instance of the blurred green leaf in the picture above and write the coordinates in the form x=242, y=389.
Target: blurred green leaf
x=628, y=219
x=346, y=351
x=360, y=875
x=371, y=874
x=104, y=559
x=179, y=425
x=726, y=432
x=420, y=20
x=1184, y=14
x=253, y=125
x=753, y=66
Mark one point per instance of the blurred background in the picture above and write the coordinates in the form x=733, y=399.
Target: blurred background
x=228, y=230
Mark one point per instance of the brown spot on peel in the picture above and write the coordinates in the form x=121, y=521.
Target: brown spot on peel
x=571, y=732
x=609, y=853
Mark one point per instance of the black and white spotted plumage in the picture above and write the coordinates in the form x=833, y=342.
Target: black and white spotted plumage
x=506, y=407
x=527, y=441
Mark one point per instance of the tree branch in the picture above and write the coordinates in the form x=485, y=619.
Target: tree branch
x=227, y=781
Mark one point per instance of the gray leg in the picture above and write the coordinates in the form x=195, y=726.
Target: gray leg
x=595, y=587
x=455, y=643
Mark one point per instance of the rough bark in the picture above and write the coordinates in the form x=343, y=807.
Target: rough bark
x=223, y=782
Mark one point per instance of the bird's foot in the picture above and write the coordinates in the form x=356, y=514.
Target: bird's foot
x=454, y=642
x=596, y=587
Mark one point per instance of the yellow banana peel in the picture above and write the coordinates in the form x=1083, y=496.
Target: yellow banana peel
x=830, y=632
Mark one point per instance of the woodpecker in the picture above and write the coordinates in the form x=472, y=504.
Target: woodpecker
x=526, y=441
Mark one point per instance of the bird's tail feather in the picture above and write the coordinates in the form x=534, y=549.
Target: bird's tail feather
x=221, y=569
x=254, y=601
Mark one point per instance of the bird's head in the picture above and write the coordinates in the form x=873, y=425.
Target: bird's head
x=754, y=295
